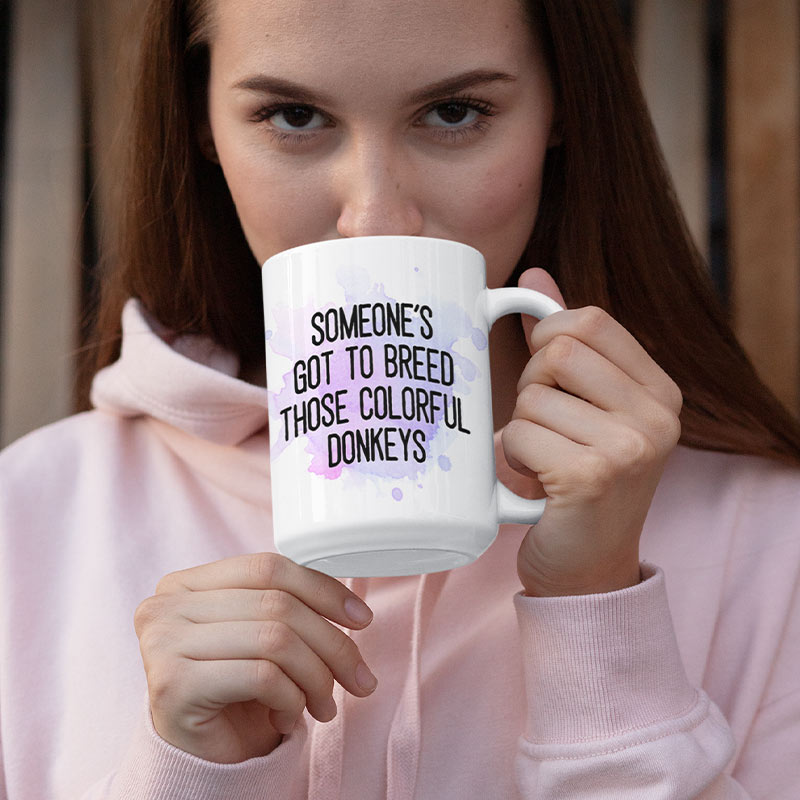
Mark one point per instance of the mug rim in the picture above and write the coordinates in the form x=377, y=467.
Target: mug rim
x=338, y=242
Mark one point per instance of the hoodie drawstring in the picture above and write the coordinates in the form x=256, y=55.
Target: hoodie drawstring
x=327, y=740
x=405, y=733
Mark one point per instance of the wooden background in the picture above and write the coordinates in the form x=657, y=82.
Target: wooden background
x=721, y=78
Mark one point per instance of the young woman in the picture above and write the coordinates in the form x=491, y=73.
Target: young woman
x=640, y=641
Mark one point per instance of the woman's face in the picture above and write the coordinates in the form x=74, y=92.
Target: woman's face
x=373, y=117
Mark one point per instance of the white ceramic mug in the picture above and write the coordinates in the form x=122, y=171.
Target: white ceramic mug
x=380, y=407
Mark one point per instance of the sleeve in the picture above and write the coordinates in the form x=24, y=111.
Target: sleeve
x=153, y=769
x=611, y=712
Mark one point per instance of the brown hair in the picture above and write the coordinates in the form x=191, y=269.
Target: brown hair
x=177, y=244
x=609, y=228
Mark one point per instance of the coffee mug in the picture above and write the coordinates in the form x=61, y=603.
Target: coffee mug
x=380, y=407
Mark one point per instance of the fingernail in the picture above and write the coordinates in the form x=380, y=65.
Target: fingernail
x=357, y=611
x=364, y=678
x=329, y=711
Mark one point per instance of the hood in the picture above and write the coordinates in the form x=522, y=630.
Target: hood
x=187, y=382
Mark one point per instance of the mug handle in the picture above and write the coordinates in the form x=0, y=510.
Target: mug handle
x=511, y=507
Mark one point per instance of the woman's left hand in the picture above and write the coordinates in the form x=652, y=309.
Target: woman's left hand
x=594, y=422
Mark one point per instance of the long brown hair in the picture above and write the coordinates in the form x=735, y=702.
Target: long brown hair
x=609, y=227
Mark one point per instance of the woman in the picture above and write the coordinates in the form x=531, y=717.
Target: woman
x=263, y=124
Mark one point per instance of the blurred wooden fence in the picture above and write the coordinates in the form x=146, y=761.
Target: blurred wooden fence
x=740, y=190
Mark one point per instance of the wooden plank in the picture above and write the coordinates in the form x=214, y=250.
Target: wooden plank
x=670, y=37
x=42, y=218
x=763, y=146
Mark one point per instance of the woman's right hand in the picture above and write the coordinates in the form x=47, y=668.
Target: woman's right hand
x=236, y=649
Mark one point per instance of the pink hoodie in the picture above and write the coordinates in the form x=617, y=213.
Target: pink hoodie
x=687, y=685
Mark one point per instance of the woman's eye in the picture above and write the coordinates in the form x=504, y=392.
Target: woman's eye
x=296, y=118
x=449, y=120
x=457, y=119
x=449, y=115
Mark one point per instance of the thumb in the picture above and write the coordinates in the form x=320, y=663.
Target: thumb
x=539, y=280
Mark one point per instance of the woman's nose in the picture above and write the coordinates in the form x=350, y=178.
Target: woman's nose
x=376, y=194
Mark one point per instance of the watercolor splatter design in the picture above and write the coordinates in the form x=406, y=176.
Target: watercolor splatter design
x=360, y=414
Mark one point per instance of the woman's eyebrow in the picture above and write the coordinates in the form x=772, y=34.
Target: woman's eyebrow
x=267, y=84
x=458, y=83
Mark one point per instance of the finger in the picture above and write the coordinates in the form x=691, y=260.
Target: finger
x=223, y=682
x=569, y=416
x=335, y=648
x=316, y=642
x=272, y=641
x=571, y=474
x=571, y=365
x=227, y=605
x=540, y=281
x=603, y=334
x=549, y=455
x=326, y=595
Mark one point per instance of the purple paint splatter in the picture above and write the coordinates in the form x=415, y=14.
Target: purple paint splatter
x=479, y=340
x=397, y=494
x=290, y=338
